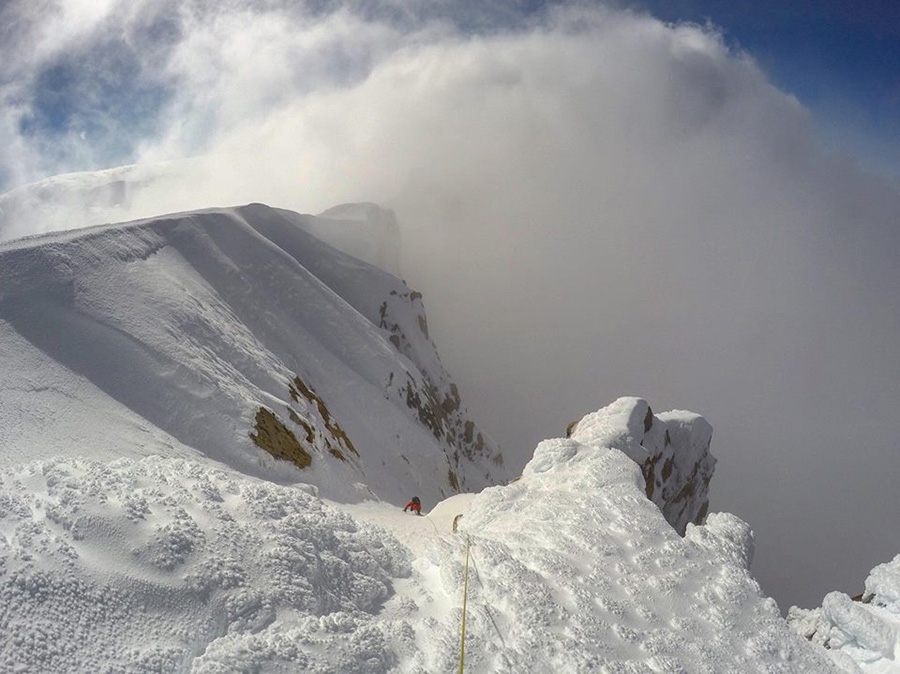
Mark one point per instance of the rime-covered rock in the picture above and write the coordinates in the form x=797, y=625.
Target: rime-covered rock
x=672, y=450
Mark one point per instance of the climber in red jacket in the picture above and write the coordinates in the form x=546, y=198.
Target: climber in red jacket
x=415, y=505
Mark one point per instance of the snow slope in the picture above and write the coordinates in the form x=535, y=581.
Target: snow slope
x=172, y=565
x=184, y=335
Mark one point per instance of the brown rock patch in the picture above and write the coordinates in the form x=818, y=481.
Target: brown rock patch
x=278, y=440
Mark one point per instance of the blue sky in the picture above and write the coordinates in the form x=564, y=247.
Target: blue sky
x=840, y=58
x=92, y=104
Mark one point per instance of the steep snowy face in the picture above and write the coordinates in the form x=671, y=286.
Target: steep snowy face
x=861, y=634
x=236, y=334
x=672, y=450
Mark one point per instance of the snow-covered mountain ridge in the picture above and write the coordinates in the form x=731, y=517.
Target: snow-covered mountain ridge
x=77, y=200
x=194, y=332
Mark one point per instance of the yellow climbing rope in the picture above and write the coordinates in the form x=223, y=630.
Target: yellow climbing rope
x=462, y=635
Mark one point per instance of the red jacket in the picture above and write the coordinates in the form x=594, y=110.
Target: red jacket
x=412, y=505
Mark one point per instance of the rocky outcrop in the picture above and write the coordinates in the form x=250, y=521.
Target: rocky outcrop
x=319, y=431
x=270, y=434
x=672, y=450
x=421, y=385
x=434, y=397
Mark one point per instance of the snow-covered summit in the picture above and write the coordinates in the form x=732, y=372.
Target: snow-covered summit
x=221, y=332
x=208, y=421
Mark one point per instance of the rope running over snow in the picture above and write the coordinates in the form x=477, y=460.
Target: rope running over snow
x=462, y=635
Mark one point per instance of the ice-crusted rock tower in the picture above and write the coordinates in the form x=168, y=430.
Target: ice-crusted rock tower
x=672, y=450
x=237, y=334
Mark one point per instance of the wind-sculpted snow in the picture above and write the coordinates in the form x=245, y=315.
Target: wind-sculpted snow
x=163, y=565
x=861, y=634
x=178, y=334
x=168, y=565
x=578, y=572
x=575, y=570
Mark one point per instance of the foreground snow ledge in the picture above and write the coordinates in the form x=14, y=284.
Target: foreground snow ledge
x=575, y=570
x=164, y=565
x=169, y=565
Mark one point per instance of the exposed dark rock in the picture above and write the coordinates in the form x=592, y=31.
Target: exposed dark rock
x=423, y=326
x=335, y=438
x=278, y=440
x=429, y=393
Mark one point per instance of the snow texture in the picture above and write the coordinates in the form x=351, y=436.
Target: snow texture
x=164, y=565
x=169, y=564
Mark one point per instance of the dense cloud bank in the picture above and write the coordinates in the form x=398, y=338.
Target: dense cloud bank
x=595, y=203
